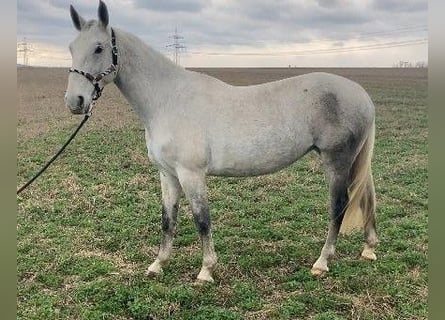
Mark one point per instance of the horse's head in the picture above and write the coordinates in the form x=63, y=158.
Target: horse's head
x=93, y=60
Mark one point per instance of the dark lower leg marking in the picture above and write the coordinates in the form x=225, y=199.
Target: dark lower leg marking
x=165, y=220
x=169, y=220
x=201, y=215
x=339, y=202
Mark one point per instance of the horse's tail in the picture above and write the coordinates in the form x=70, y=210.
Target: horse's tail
x=360, y=209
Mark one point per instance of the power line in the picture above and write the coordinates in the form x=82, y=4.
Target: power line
x=319, y=51
x=364, y=35
x=367, y=47
x=400, y=29
x=367, y=35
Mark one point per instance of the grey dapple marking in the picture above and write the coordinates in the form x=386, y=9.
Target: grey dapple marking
x=196, y=125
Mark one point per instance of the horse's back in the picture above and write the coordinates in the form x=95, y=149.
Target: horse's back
x=290, y=97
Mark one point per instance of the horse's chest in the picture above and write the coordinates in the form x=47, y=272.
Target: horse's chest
x=160, y=153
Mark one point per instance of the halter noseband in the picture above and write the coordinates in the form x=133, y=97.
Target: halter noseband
x=96, y=79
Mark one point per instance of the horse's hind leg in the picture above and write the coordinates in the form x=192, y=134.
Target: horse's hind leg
x=338, y=200
x=194, y=186
x=171, y=192
x=338, y=162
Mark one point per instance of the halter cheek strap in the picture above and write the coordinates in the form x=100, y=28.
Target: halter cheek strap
x=95, y=80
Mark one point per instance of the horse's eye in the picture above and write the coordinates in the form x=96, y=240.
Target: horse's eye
x=99, y=50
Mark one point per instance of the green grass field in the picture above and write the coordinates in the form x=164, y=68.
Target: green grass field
x=90, y=226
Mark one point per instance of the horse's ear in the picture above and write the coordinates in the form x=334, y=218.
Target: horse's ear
x=103, y=13
x=78, y=21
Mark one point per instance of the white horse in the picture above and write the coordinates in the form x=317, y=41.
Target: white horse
x=196, y=125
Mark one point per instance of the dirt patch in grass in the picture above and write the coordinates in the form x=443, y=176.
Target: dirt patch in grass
x=122, y=266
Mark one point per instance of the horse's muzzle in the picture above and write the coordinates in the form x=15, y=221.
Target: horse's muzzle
x=77, y=104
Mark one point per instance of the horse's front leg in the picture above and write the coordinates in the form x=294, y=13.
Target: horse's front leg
x=194, y=186
x=171, y=192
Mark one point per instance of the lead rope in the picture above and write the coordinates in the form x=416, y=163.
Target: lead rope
x=87, y=116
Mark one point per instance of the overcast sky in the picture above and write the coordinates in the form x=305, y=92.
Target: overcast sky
x=243, y=32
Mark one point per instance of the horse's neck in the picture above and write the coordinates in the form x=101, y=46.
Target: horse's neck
x=144, y=75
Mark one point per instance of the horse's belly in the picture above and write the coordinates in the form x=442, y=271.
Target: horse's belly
x=252, y=160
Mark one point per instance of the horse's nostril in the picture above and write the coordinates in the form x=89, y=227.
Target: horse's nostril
x=80, y=101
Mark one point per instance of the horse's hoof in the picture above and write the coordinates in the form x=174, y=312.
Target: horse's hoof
x=203, y=282
x=317, y=272
x=152, y=275
x=153, y=271
x=204, y=277
x=369, y=254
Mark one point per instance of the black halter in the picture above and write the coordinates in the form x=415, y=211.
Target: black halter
x=96, y=79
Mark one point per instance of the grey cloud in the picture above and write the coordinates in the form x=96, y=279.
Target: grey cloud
x=172, y=5
x=333, y=3
x=87, y=9
x=338, y=44
x=40, y=21
x=401, y=5
x=36, y=13
x=300, y=14
x=258, y=22
x=339, y=18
